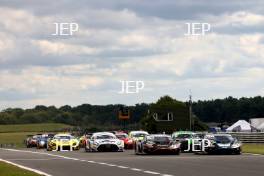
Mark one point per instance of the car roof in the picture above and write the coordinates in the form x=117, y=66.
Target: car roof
x=103, y=133
x=222, y=135
x=184, y=132
x=159, y=135
x=120, y=134
x=135, y=132
x=62, y=135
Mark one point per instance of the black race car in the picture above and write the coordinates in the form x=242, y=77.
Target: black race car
x=43, y=140
x=222, y=144
x=157, y=144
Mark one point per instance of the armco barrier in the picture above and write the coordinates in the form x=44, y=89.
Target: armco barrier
x=249, y=137
x=8, y=145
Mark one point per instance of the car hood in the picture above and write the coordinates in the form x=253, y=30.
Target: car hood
x=224, y=145
x=107, y=141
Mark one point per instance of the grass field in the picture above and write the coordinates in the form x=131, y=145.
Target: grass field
x=39, y=127
x=10, y=170
x=253, y=148
x=16, y=134
x=14, y=138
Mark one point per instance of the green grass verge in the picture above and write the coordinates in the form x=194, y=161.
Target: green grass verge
x=16, y=139
x=38, y=127
x=253, y=148
x=16, y=134
x=10, y=170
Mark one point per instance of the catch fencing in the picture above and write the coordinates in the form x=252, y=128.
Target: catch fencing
x=249, y=137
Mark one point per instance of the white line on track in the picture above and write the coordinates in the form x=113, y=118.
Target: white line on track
x=26, y=168
x=151, y=172
x=90, y=161
x=123, y=167
x=135, y=169
x=21, y=159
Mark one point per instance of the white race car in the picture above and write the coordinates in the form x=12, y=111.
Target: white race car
x=104, y=142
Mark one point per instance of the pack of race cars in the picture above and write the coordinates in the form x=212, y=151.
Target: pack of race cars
x=140, y=141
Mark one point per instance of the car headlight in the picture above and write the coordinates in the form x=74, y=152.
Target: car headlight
x=150, y=143
x=120, y=143
x=175, y=145
x=236, y=145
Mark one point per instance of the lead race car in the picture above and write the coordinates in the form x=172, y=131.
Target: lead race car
x=104, y=142
x=158, y=144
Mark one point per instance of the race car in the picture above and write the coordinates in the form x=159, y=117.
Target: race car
x=31, y=141
x=128, y=143
x=43, y=140
x=63, y=142
x=104, y=142
x=222, y=144
x=82, y=140
x=134, y=136
x=158, y=144
x=186, y=138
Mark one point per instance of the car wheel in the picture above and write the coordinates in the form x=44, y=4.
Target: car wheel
x=136, y=150
x=177, y=152
x=238, y=152
x=88, y=149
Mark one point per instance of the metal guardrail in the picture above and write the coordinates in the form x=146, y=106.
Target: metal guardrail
x=249, y=137
x=8, y=145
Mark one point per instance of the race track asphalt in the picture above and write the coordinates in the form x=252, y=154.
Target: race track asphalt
x=80, y=163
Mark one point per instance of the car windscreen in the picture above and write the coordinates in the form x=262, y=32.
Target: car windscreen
x=63, y=137
x=43, y=138
x=121, y=136
x=182, y=136
x=139, y=135
x=159, y=139
x=36, y=137
x=223, y=139
x=104, y=137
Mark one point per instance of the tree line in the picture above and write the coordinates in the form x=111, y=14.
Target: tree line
x=219, y=110
x=229, y=109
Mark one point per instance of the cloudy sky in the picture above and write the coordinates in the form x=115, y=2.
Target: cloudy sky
x=133, y=40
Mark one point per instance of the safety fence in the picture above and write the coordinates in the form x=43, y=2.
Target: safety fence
x=249, y=137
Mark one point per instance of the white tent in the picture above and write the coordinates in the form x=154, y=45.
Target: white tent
x=241, y=126
x=261, y=127
x=256, y=122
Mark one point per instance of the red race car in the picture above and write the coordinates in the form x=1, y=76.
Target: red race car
x=128, y=143
x=31, y=141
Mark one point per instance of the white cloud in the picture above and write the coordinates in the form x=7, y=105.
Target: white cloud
x=122, y=44
x=59, y=48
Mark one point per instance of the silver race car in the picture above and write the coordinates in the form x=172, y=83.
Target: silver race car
x=104, y=142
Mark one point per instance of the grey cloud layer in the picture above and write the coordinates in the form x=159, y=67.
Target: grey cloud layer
x=128, y=40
